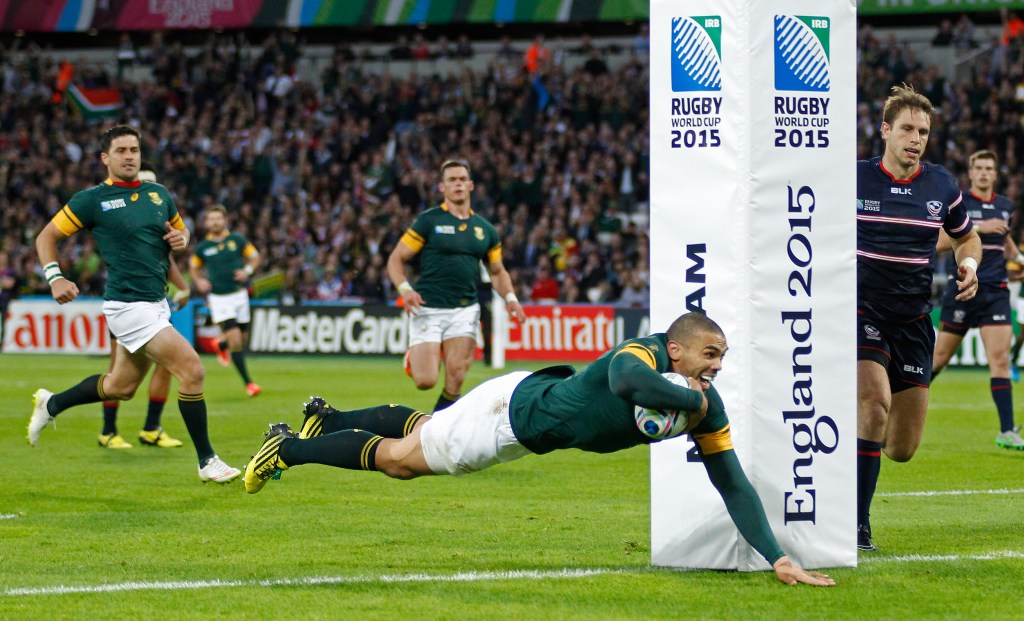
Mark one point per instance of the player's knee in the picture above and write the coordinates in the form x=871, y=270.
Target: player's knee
x=424, y=383
x=192, y=371
x=396, y=469
x=900, y=453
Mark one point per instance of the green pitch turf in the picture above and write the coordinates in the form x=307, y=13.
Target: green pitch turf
x=135, y=535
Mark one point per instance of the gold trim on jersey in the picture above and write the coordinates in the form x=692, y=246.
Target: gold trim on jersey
x=249, y=250
x=714, y=442
x=645, y=355
x=196, y=261
x=66, y=221
x=413, y=240
x=494, y=254
x=176, y=221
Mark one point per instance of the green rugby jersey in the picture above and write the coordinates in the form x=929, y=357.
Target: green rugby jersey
x=127, y=222
x=221, y=258
x=558, y=408
x=450, y=253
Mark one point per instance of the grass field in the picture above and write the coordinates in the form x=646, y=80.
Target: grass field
x=90, y=533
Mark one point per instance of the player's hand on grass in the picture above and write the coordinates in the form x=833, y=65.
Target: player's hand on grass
x=967, y=283
x=63, y=290
x=790, y=574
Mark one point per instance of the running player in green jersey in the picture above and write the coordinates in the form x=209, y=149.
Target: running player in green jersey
x=230, y=261
x=135, y=224
x=151, y=434
x=517, y=414
x=451, y=241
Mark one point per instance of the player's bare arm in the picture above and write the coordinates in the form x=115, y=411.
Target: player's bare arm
x=967, y=251
x=245, y=272
x=62, y=289
x=401, y=255
x=501, y=280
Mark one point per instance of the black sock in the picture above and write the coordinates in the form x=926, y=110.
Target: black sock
x=222, y=345
x=869, y=463
x=935, y=373
x=110, y=417
x=353, y=449
x=390, y=421
x=153, y=414
x=1002, y=394
x=445, y=400
x=193, y=412
x=239, y=359
x=88, y=390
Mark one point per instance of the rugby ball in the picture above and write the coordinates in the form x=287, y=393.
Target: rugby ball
x=659, y=424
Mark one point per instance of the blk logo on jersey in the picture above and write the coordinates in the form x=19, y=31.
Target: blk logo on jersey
x=902, y=191
x=696, y=53
x=802, y=53
x=914, y=370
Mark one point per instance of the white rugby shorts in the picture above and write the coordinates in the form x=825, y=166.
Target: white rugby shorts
x=436, y=325
x=474, y=432
x=229, y=306
x=134, y=324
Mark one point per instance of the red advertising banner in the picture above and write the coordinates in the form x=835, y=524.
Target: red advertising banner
x=564, y=333
x=46, y=327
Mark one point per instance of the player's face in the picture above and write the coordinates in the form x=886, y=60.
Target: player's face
x=699, y=357
x=456, y=185
x=982, y=174
x=216, y=222
x=123, y=158
x=907, y=137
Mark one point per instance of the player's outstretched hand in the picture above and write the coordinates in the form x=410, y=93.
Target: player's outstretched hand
x=967, y=283
x=790, y=574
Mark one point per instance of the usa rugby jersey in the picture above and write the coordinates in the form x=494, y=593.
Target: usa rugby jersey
x=898, y=224
x=992, y=270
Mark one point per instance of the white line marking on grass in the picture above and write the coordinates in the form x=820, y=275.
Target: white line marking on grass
x=8, y=516
x=954, y=492
x=942, y=558
x=470, y=576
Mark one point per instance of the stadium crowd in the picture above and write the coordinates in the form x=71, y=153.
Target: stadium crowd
x=324, y=175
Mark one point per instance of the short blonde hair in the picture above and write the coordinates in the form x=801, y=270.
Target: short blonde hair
x=906, y=98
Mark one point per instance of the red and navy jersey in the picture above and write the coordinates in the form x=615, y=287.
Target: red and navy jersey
x=992, y=270
x=898, y=224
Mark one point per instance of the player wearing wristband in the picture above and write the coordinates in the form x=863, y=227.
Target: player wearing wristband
x=989, y=310
x=135, y=224
x=151, y=434
x=229, y=260
x=902, y=203
x=450, y=240
x=519, y=414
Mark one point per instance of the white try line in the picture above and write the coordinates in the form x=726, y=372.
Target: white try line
x=471, y=576
x=941, y=558
x=954, y=492
x=8, y=516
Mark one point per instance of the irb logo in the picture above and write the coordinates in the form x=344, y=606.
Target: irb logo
x=802, y=53
x=696, y=53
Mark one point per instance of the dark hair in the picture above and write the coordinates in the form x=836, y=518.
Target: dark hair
x=221, y=209
x=692, y=324
x=116, y=132
x=903, y=98
x=455, y=164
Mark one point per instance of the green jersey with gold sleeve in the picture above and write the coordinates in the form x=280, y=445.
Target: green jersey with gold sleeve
x=128, y=222
x=450, y=253
x=558, y=408
x=222, y=257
